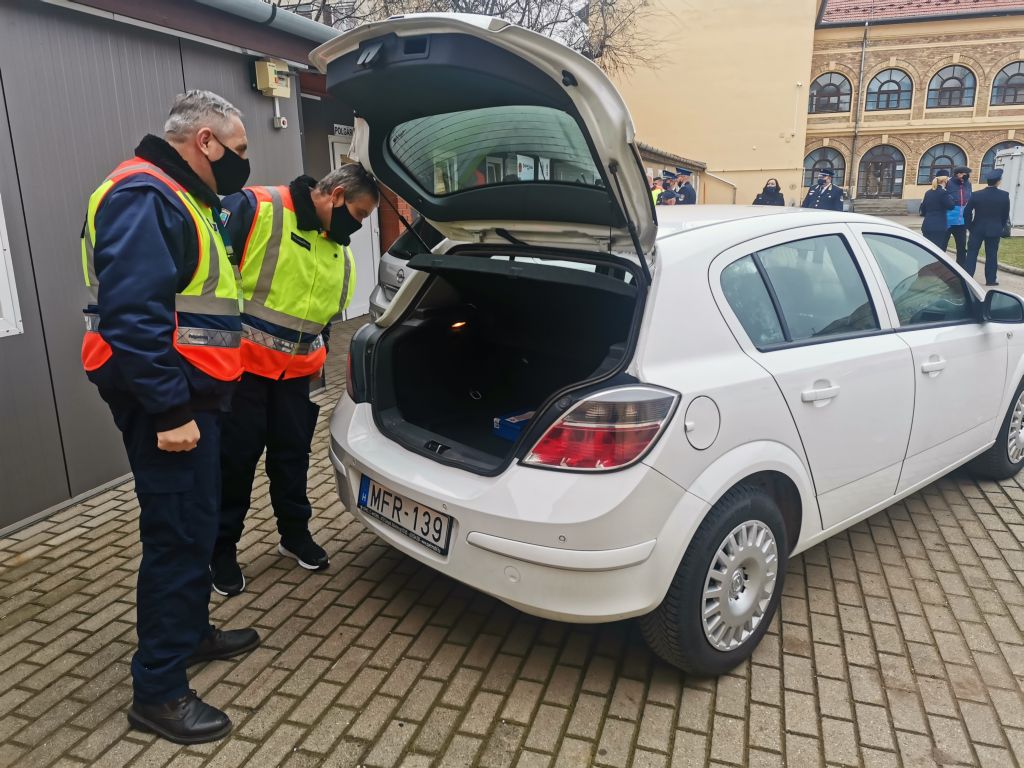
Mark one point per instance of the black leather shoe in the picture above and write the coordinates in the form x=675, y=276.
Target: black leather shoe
x=991, y=284
x=224, y=644
x=305, y=551
x=184, y=721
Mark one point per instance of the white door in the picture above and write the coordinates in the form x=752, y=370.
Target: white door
x=365, y=241
x=810, y=314
x=959, y=362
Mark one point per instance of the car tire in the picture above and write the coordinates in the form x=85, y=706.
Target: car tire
x=997, y=463
x=747, y=525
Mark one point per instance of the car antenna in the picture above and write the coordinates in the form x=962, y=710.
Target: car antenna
x=614, y=168
x=409, y=227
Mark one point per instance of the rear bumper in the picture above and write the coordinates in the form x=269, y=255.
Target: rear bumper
x=581, y=548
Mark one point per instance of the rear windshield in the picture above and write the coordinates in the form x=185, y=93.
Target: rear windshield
x=496, y=145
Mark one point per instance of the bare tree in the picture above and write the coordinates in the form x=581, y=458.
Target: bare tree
x=605, y=31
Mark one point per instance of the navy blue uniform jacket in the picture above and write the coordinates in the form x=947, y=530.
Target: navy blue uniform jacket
x=825, y=198
x=987, y=212
x=146, y=252
x=934, y=206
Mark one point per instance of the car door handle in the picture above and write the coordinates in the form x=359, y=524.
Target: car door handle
x=933, y=366
x=817, y=394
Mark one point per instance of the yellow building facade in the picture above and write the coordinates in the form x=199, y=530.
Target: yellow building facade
x=883, y=93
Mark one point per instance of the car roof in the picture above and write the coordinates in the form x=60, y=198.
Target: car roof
x=677, y=219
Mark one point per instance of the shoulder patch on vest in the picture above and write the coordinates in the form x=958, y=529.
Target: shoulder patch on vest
x=304, y=243
x=225, y=215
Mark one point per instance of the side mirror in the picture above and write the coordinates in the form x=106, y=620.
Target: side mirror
x=1001, y=307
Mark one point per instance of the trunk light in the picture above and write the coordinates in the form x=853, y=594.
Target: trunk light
x=609, y=430
x=350, y=386
x=459, y=325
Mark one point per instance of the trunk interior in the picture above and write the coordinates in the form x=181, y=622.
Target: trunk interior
x=489, y=338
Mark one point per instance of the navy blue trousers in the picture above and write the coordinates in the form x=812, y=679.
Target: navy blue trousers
x=991, y=256
x=179, y=495
x=278, y=415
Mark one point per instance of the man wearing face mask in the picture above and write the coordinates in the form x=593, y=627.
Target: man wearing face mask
x=162, y=346
x=297, y=274
x=825, y=196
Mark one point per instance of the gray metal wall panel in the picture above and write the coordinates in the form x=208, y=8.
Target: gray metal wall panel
x=276, y=155
x=82, y=91
x=32, y=475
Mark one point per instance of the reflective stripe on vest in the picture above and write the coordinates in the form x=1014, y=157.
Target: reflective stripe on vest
x=294, y=281
x=211, y=341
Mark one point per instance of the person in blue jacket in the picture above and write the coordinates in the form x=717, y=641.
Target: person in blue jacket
x=162, y=347
x=988, y=218
x=960, y=188
x=936, y=204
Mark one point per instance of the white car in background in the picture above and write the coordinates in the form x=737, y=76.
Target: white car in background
x=592, y=417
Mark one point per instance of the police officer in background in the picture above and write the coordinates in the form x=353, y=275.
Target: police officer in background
x=162, y=347
x=824, y=195
x=686, y=193
x=297, y=274
x=988, y=218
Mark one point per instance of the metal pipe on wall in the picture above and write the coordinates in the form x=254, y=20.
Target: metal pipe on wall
x=261, y=12
x=854, y=179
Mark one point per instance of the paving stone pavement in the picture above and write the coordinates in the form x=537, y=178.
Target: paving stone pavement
x=899, y=642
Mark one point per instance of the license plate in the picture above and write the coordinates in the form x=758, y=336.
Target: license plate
x=424, y=525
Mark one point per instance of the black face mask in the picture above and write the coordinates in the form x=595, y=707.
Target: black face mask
x=343, y=224
x=230, y=172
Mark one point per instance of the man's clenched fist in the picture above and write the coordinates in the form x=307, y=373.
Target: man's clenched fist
x=183, y=438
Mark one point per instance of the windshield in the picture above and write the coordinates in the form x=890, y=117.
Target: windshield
x=497, y=145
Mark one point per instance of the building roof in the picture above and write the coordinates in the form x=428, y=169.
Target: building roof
x=842, y=12
x=655, y=155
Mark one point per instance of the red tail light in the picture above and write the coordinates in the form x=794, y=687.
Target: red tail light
x=610, y=430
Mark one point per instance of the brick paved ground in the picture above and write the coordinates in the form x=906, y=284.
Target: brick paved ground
x=899, y=642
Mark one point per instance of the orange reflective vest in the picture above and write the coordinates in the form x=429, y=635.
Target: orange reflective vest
x=294, y=281
x=210, y=337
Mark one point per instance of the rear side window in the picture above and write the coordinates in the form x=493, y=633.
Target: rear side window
x=924, y=289
x=747, y=295
x=494, y=145
x=806, y=290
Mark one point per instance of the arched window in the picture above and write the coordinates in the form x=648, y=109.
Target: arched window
x=1008, y=87
x=822, y=158
x=947, y=156
x=988, y=162
x=881, y=173
x=952, y=87
x=829, y=93
x=889, y=89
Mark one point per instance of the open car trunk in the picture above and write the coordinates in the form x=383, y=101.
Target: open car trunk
x=467, y=374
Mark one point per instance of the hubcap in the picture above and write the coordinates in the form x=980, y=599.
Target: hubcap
x=741, y=581
x=1015, y=438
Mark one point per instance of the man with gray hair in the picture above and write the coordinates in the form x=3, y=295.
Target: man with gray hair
x=162, y=345
x=298, y=273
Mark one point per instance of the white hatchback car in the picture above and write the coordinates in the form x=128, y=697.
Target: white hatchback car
x=592, y=417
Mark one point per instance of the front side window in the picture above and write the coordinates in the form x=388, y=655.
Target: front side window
x=1008, y=86
x=806, y=290
x=889, y=89
x=940, y=157
x=456, y=151
x=952, y=87
x=924, y=289
x=829, y=93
